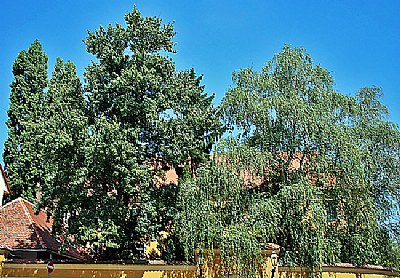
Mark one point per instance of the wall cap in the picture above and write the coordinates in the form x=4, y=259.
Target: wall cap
x=346, y=268
x=140, y=267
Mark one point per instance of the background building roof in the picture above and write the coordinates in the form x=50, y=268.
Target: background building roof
x=21, y=227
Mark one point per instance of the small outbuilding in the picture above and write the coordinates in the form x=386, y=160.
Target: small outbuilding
x=27, y=234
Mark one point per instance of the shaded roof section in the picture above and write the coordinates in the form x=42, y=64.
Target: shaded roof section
x=22, y=228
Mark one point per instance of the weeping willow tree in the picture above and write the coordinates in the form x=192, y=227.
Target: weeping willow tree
x=310, y=169
x=218, y=214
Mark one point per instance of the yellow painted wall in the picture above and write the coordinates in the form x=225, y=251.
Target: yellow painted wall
x=339, y=272
x=1, y=264
x=215, y=269
x=176, y=271
x=99, y=271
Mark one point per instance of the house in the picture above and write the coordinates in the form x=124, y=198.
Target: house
x=4, y=187
x=27, y=234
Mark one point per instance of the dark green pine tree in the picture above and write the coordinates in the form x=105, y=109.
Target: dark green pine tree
x=190, y=127
x=21, y=153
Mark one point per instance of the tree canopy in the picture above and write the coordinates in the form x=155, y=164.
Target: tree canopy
x=307, y=167
x=21, y=153
x=311, y=169
x=101, y=144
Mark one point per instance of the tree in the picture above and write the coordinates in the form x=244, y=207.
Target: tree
x=305, y=153
x=64, y=127
x=141, y=112
x=135, y=84
x=104, y=206
x=217, y=212
x=378, y=144
x=21, y=156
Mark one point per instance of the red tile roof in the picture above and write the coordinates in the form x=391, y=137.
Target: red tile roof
x=22, y=228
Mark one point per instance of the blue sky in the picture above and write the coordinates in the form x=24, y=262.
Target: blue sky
x=357, y=41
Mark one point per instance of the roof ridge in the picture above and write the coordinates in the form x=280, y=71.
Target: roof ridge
x=11, y=202
x=25, y=209
x=26, y=201
x=18, y=199
x=32, y=223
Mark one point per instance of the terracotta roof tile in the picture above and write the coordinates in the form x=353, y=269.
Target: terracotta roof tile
x=22, y=228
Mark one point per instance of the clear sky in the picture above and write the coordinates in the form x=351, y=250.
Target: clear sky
x=357, y=41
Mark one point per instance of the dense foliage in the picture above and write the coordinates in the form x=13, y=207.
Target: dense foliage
x=100, y=145
x=308, y=168
x=321, y=168
x=21, y=151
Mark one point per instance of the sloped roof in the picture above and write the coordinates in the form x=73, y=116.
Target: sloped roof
x=22, y=228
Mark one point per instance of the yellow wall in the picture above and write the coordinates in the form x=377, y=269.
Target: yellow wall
x=1, y=265
x=339, y=272
x=215, y=269
x=169, y=271
x=177, y=271
x=99, y=271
